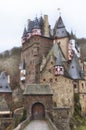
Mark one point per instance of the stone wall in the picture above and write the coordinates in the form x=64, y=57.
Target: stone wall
x=8, y=98
x=32, y=53
x=61, y=118
x=82, y=95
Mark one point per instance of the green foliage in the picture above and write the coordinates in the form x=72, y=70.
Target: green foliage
x=24, y=116
x=77, y=106
x=16, y=51
x=77, y=121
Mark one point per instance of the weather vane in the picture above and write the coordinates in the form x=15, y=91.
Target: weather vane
x=59, y=10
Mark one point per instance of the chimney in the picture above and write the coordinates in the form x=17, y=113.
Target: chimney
x=46, y=26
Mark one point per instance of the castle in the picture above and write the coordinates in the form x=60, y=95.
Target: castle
x=51, y=69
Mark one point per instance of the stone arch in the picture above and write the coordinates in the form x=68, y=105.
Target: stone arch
x=38, y=111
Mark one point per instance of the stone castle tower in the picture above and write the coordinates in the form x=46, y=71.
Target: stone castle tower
x=50, y=70
x=36, y=43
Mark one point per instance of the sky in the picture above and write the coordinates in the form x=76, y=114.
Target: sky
x=15, y=13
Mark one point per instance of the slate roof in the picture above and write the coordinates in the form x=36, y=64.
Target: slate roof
x=75, y=71
x=24, y=33
x=4, y=86
x=37, y=89
x=59, y=29
x=57, y=53
x=36, y=24
x=41, y=21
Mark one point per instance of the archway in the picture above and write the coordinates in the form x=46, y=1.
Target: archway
x=38, y=111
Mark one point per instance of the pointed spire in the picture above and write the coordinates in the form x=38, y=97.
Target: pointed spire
x=75, y=70
x=59, y=59
x=59, y=29
x=58, y=53
x=4, y=86
x=36, y=24
x=24, y=33
x=41, y=21
x=72, y=35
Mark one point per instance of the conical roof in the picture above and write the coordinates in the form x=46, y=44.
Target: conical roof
x=60, y=23
x=4, y=86
x=36, y=24
x=57, y=54
x=75, y=71
x=59, y=29
x=59, y=59
x=24, y=32
x=41, y=21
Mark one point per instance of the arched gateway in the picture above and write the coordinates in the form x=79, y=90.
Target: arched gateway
x=38, y=111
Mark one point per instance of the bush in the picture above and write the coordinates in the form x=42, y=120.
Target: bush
x=24, y=116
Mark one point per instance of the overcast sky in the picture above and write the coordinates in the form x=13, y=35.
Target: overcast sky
x=14, y=15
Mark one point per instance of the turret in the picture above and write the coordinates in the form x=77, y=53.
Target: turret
x=24, y=36
x=61, y=35
x=36, y=29
x=59, y=68
x=73, y=48
x=59, y=58
x=75, y=71
x=59, y=29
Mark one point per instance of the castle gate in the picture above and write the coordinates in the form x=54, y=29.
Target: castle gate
x=38, y=111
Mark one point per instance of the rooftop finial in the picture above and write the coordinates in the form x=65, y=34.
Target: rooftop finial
x=59, y=10
x=41, y=13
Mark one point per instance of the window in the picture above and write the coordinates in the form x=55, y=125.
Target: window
x=55, y=79
x=72, y=67
x=52, y=62
x=6, y=86
x=51, y=79
x=0, y=86
x=60, y=69
x=44, y=79
x=75, y=86
x=82, y=85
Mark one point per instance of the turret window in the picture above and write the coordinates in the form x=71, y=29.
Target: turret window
x=60, y=69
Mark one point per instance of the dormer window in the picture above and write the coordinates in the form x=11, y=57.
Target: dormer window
x=0, y=86
x=72, y=67
x=6, y=86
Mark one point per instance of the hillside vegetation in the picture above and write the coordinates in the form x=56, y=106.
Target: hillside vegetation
x=9, y=62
